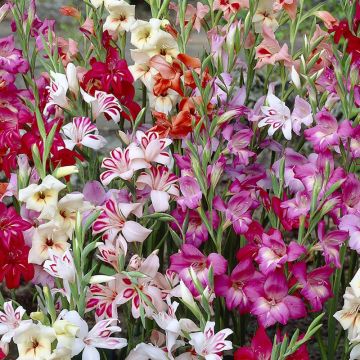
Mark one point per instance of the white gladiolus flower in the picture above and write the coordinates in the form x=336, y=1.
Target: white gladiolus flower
x=121, y=18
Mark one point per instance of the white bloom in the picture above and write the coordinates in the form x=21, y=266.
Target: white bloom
x=349, y=316
x=164, y=44
x=164, y=103
x=355, y=284
x=43, y=197
x=71, y=75
x=147, y=352
x=143, y=33
x=34, y=341
x=208, y=344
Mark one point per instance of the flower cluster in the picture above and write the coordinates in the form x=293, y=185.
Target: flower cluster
x=223, y=189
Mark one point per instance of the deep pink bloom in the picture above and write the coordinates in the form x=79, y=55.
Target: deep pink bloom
x=190, y=256
x=11, y=59
x=330, y=244
x=237, y=211
x=316, y=287
x=274, y=304
x=274, y=253
x=325, y=133
x=297, y=206
x=236, y=287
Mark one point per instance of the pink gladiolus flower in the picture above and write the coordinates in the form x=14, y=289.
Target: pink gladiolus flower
x=298, y=206
x=11, y=224
x=236, y=287
x=122, y=163
x=113, y=220
x=330, y=244
x=274, y=304
x=191, y=192
x=325, y=133
x=82, y=132
x=274, y=253
x=11, y=59
x=351, y=223
x=153, y=147
x=190, y=256
x=269, y=51
x=237, y=211
x=239, y=145
x=162, y=185
x=316, y=287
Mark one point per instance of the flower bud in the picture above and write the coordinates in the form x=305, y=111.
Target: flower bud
x=65, y=171
x=295, y=78
x=4, y=11
x=98, y=279
x=73, y=81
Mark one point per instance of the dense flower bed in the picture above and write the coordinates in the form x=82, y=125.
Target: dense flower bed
x=230, y=207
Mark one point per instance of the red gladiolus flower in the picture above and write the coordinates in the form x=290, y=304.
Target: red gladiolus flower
x=14, y=263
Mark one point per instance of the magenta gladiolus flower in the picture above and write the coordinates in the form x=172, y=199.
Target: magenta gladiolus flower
x=190, y=256
x=237, y=287
x=237, y=211
x=330, y=244
x=316, y=287
x=274, y=304
x=239, y=145
x=274, y=253
x=351, y=223
x=11, y=59
x=191, y=193
x=298, y=206
x=325, y=133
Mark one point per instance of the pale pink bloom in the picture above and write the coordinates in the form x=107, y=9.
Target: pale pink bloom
x=129, y=291
x=327, y=18
x=209, y=344
x=239, y=145
x=301, y=114
x=162, y=185
x=196, y=15
x=153, y=147
x=351, y=223
x=113, y=220
x=274, y=304
x=111, y=251
x=82, y=132
x=57, y=92
x=10, y=320
x=99, y=336
x=229, y=7
x=297, y=206
x=191, y=193
x=144, y=351
x=122, y=163
x=274, y=253
x=268, y=52
x=103, y=103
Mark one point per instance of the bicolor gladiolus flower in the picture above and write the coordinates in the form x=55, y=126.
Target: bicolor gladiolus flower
x=103, y=103
x=82, y=132
x=57, y=92
x=11, y=59
x=123, y=163
x=113, y=220
x=10, y=321
x=153, y=147
x=99, y=337
x=162, y=185
x=209, y=344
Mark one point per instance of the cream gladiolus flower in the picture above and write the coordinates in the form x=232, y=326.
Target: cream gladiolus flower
x=34, y=341
x=47, y=237
x=121, y=18
x=65, y=333
x=164, y=44
x=265, y=16
x=143, y=33
x=163, y=103
x=43, y=197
